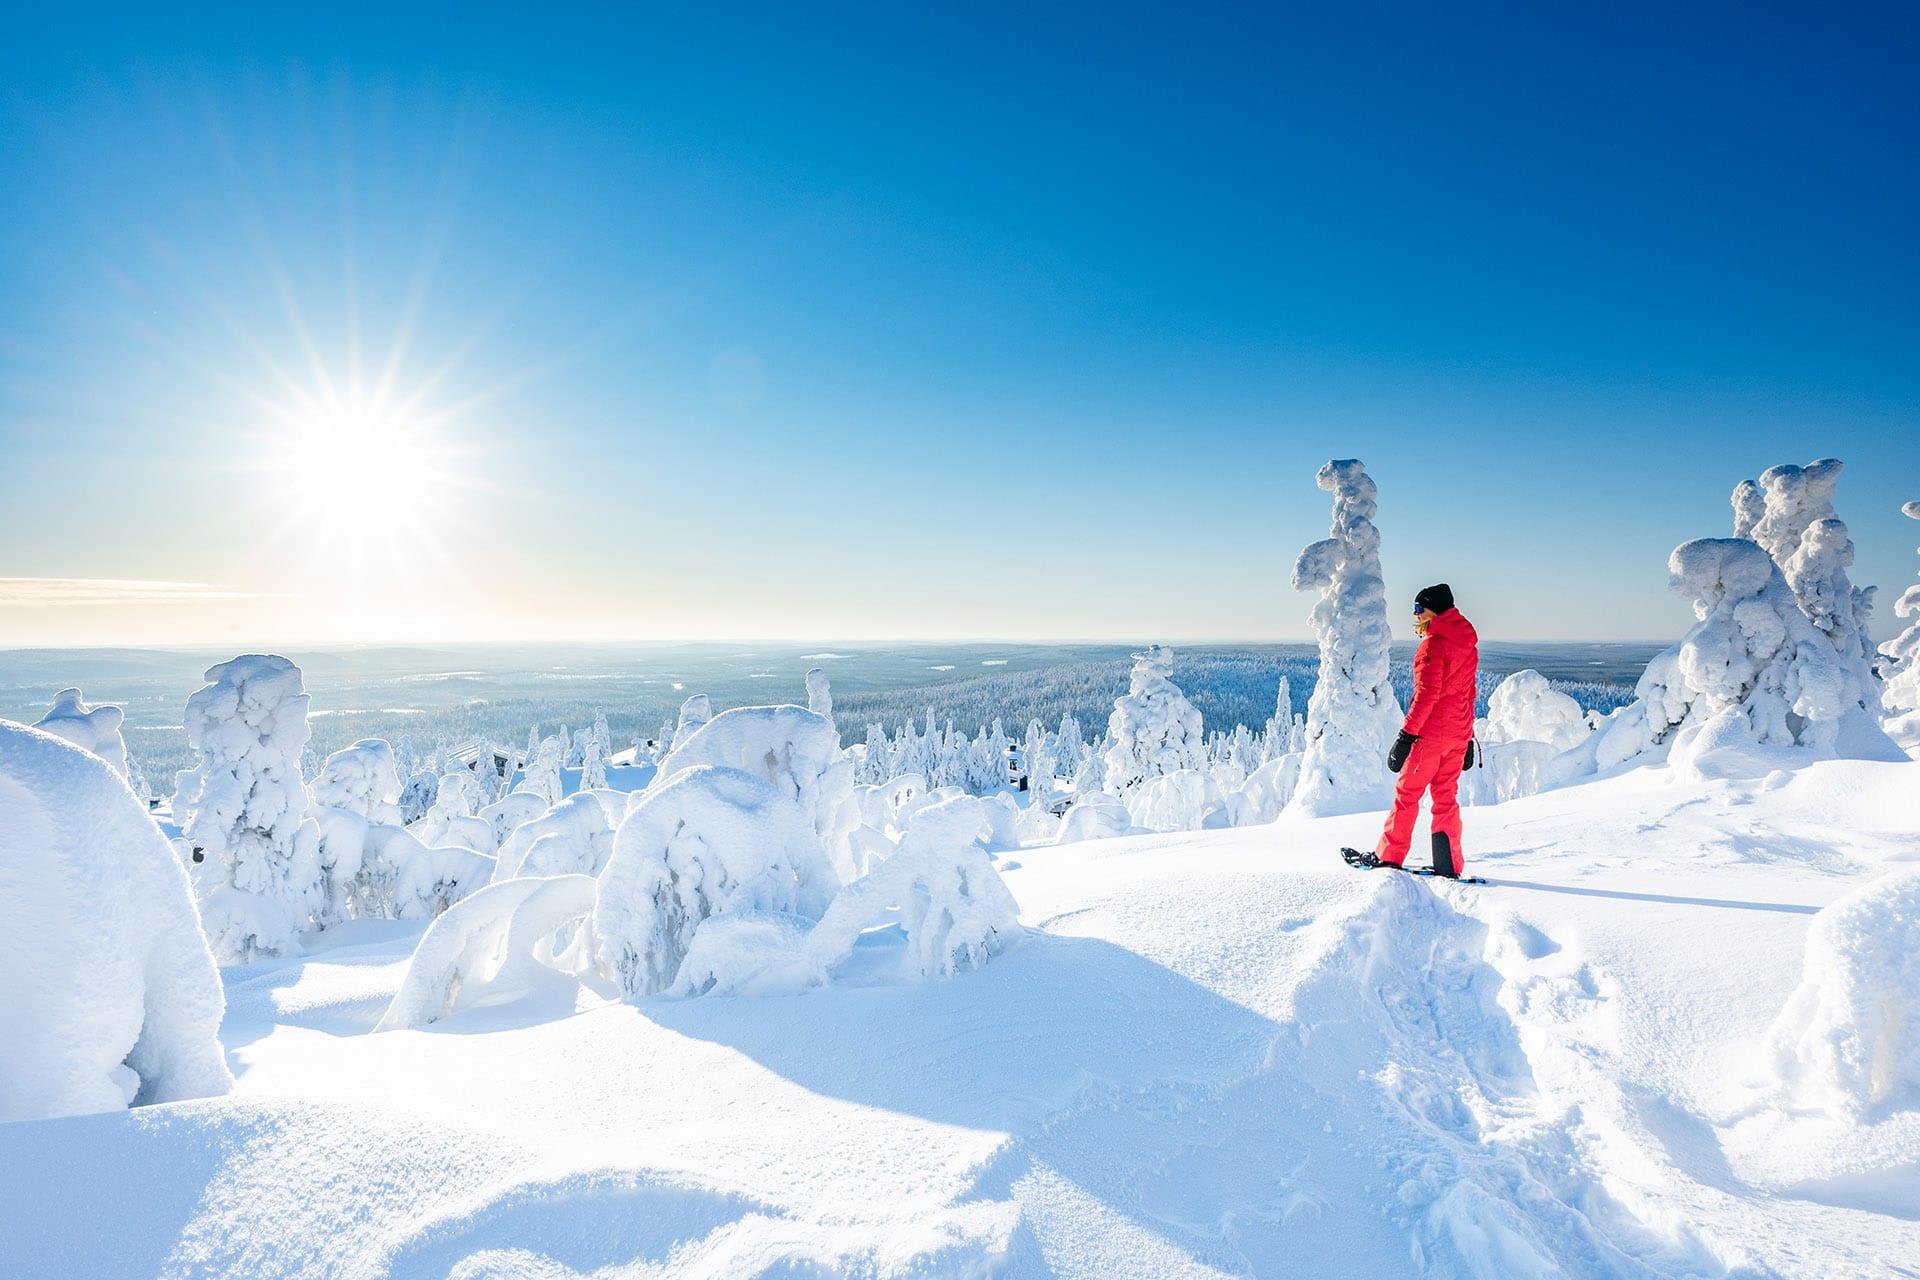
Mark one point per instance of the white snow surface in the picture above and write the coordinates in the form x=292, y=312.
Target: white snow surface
x=1216, y=1053
x=107, y=992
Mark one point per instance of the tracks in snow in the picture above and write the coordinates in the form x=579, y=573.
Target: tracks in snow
x=1397, y=1125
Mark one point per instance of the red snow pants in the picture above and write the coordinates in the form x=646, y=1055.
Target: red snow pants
x=1433, y=765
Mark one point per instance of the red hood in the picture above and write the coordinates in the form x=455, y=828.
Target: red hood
x=1453, y=627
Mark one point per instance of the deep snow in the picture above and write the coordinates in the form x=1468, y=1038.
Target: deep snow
x=1214, y=1053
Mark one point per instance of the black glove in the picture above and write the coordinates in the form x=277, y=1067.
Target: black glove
x=1469, y=763
x=1401, y=746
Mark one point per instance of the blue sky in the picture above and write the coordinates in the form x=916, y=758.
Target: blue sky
x=903, y=321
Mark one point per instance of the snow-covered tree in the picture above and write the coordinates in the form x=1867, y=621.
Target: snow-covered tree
x=1901, y=695
x=95, y=729
x=256, y=859
x=694, y=712
x=1037, y=757
x=418, y=795
x=796, y=751
x=950, y=901
x=1525, y=707
x=819, y=693
x=364, y=779
x=593, y=756
x=1353, y=715
x=1280, y=723
x=1154, y=728
x=575, y=835
x=876, y=766
x=486, y=773
x=1069, y=746
x=1792, y=517
x=1754, y=671
x=542, y=774
x=708, y=841
x=137, y=780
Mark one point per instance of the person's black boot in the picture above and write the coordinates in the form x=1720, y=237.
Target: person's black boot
x=1443, y=861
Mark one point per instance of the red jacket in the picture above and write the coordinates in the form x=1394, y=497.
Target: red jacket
x=1445, y=668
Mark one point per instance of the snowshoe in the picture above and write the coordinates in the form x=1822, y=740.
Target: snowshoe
x=1442, y=875
x=1370, y=861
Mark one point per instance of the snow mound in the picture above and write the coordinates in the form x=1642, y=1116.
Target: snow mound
x=1848, y=1039
x=109, y=994
x=95, y=729
x=1093, y=816
x=710, y=841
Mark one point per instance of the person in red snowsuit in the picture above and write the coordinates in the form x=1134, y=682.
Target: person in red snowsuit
x=1436, y=742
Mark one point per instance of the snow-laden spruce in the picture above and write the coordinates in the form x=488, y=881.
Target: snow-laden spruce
x=108, y=995
x=451, y=820
x=1154, y=729
x=95, y=729
x=372, y=870
x=1353, y=715
x=1525, y=707
x=1901, y=694
x=694, y=712
x=1793, y=519
x=594, y=753
x=795, y=750
x=575, y=835
x=243, y=808
x=709, y=841
x=1849, y=1037
x=1753, y=672
x=939, y=886
x=542, y=774
x=362, y=779
x=748, y=834
x=820, y=693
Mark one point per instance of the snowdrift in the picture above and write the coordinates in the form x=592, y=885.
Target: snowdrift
x=1848, y=1040
x=108, y=995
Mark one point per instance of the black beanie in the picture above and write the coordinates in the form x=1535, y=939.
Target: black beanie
x=1437, y=598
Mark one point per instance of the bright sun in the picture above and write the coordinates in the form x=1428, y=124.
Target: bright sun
x=361, y=489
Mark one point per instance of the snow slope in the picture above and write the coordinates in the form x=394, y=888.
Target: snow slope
x=1214, y=1053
